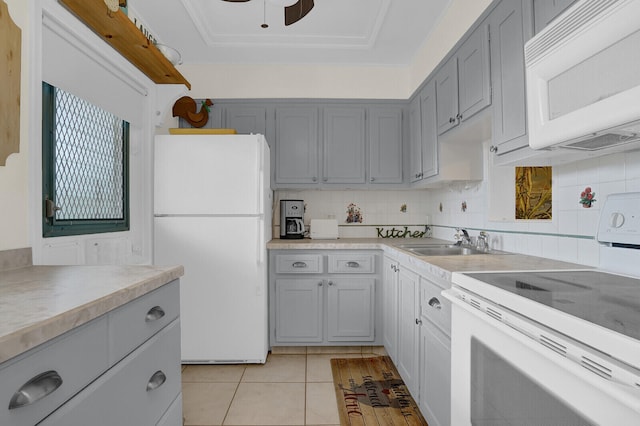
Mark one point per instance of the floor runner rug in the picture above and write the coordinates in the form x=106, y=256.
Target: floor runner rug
x=369, y=391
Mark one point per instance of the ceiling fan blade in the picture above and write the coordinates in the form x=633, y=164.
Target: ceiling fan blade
x=296, y=12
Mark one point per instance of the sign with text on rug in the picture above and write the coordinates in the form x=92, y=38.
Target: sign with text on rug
x=369, y=391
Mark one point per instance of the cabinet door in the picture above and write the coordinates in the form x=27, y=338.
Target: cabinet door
x=246, y=119
x=350, y=309
x=296, y=155
x=544, y=11
x=385, y=145
x=447, y=95
x=415, y=141
x=344, y=145
x=390, y=307
x=435, y=375
x=508, y=77
x=428, y=131
x=299, y=310
x=474, y=81
x=408, y=329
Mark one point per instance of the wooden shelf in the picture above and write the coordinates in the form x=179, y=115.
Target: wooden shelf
x=120, y=33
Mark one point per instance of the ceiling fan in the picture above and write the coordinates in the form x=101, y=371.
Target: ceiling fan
x=293, y=11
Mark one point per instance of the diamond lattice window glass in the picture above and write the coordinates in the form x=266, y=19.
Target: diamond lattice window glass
x=88, y=160
x=85, y=166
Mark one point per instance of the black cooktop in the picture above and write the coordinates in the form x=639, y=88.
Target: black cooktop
x=609, y=300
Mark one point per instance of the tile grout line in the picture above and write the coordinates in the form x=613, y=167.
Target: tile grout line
x=235, y=392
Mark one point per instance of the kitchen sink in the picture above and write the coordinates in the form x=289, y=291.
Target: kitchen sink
x=444, y=250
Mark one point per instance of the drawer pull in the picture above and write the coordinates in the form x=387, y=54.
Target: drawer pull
x=435, y=303
x=299, y=264
x=154, y=314
x=353, y=264
x=156, y=380
x=36, y=389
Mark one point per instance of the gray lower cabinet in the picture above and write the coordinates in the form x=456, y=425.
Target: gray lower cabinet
x=390, y=272
x=323, y=299
x=299, y=305
x=408, y=328
x=435, y=375
x=97, y=374
x=435, y=352
x=463, y=83
x=420, y=318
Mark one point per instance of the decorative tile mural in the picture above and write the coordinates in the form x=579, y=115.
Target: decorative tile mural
x=533, y=193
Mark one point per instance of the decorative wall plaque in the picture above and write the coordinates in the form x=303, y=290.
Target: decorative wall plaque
x=10, y=53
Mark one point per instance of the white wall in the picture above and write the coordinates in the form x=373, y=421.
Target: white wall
x=378, y=208
x=568, y=237
x=335, y=81
x=14, y=178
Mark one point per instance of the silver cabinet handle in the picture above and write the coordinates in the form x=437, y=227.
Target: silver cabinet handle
x=320, y=284
x=299, y=264
x=156, y=380
x=353, y=265
x=418, y=321
x=36, y=389
x=154, y=314
x=435, y=303
x=330, y=282
x=314, y=179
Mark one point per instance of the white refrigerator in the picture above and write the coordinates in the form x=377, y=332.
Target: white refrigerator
x=212, y=214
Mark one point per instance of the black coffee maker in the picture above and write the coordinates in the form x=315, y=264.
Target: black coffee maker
x=291, y=219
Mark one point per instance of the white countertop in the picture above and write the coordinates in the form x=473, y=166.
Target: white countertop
x=38, y=303
x=442, y=266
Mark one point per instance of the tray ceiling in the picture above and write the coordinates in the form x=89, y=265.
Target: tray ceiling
x=377, y=32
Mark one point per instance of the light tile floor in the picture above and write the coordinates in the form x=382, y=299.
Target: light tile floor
x=294, y=387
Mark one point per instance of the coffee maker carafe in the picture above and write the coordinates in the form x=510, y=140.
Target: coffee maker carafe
x=291, y=219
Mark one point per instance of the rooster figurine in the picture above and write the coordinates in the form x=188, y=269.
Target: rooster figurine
x=186, y=107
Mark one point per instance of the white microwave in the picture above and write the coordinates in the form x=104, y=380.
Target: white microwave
x=583, y=79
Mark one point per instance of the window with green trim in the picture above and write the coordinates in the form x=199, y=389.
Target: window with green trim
x=85, y=166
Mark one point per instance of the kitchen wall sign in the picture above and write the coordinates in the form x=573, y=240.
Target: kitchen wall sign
x=533, y=193
x=10, y=54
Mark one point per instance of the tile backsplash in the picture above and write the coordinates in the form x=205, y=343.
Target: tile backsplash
x=569, y=236
x=374, y=208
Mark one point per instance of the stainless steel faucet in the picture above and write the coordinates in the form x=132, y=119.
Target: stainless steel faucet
x=483, y=241
x=462, y=239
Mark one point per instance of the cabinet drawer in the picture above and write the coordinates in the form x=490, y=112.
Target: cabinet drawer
x=298, y=263
x=434, y=306
x=136, y=391
x=138, y=320
x=173, y=416
x=76, y=358
x=352, y=263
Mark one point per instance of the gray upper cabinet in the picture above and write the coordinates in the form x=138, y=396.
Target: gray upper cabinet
x=424, y=134
x=428, y=131
x=344, y=145
x=447, y=91
x=474, y=80
x=544, y=11
x=385, y=144
x=415, y=141
x=463, y=84
x=508, y=34
x=296, y=145
x=246, y=119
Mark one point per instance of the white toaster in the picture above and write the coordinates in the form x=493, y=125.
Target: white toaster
x=323, y=229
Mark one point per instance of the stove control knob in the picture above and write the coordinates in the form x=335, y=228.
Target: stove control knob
x=616, y=220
